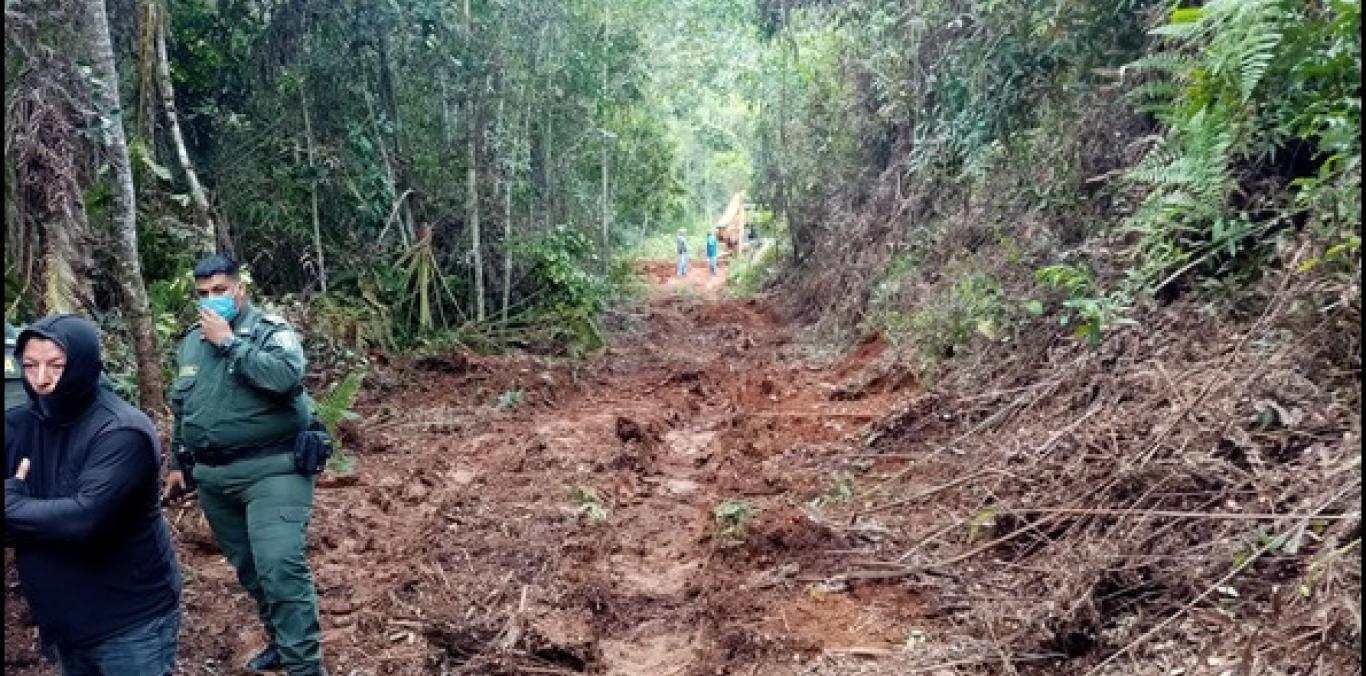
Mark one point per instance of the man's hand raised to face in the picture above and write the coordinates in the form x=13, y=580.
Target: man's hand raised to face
x=214, y=327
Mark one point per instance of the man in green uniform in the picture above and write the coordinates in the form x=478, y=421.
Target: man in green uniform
x=239, y=405
x=14, y=378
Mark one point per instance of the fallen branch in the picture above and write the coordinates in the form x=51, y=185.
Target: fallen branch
x=1217, y=584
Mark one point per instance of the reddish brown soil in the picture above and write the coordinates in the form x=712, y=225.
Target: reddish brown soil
x=458, y=546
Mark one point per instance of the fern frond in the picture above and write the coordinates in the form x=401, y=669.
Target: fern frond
x=336, y=405
x=1256, y=60
x=1155, y=91
x=1173, y=63
x=1244, y=38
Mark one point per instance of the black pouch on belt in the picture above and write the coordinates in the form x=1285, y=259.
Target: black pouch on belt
x=312, y=448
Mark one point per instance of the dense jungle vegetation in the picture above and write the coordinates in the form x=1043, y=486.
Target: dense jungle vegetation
x=417, y=171
x=1149, y=208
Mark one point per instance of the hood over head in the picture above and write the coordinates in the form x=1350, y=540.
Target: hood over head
x=79, y=383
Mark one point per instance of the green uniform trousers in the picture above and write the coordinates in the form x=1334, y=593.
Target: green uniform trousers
x=258, y=509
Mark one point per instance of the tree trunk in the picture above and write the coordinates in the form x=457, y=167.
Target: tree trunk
x=505, y=150
x=388, y=92
x=313, y=187
x=471, y=183
x=106, y=93
x=210, y=236
x=472, y=207
x=799, y=248
x=404, y=235
x=606, y=203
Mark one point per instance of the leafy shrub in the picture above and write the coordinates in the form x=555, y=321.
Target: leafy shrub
x=570, y=293
x=334, y=407
x=973, y=307
x=1086, y=310
x=732, y=517
x=1238, y=83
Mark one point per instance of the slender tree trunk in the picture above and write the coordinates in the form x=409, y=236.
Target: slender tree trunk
x=798, y=239
x=405, y=236
x=506, y=149
x=210, y=235
x=313, y=187
x=445, y=111
x=388, y=91
x=605, y=205
x=106, y=94
x=551, y=199
x=471, y=183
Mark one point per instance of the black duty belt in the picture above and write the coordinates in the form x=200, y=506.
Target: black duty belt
x=214, y=457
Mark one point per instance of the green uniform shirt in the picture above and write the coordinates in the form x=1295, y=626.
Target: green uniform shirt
x=14, y=378
x=246, y=396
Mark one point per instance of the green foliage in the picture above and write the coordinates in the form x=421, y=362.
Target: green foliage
x=1237, y=82
x=754, y=269
x=732, y=517
x=334, y=407
x=358, y=322
x=840, y=491
x=588, y=504
x=570, y=293
x=1088, y=312
x=510, y=399
x=426, y=293
x=972, y=308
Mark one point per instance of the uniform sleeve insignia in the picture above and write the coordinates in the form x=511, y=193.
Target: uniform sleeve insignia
x=285, y=339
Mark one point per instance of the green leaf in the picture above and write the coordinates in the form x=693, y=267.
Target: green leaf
x=1034, y=307
x=158, y=170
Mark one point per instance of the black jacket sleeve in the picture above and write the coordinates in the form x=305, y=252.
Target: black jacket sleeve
x=118, y=469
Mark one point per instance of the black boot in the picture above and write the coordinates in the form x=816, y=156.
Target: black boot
x=267, y=660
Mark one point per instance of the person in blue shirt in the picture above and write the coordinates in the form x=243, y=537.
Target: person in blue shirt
x=682, y=252
x=711, y=251
x=83, y=511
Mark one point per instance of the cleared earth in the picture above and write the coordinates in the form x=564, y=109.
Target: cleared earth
x=664, y=508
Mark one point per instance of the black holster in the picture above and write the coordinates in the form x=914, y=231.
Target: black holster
x=312, y=448
x=185, y=459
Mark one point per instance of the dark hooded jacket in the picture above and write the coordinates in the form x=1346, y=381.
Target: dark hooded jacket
x=91, y=546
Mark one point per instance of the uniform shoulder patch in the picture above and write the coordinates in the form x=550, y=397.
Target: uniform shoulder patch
x=286, y=339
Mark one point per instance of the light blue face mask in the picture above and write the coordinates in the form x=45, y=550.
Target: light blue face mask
x=222, y=305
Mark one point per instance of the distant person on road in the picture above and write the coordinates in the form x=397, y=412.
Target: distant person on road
x=711, y=250
x=240, y=409
x=682, y=252
x=83, y=514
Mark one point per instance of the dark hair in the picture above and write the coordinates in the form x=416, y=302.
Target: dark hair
x=209, y=266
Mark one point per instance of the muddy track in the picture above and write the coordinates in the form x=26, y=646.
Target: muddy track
x=577, y=532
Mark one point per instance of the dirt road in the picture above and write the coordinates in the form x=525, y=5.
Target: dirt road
x=664, y=509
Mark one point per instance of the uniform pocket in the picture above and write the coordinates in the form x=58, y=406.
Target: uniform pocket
x=181, y=388
x=294, y=514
